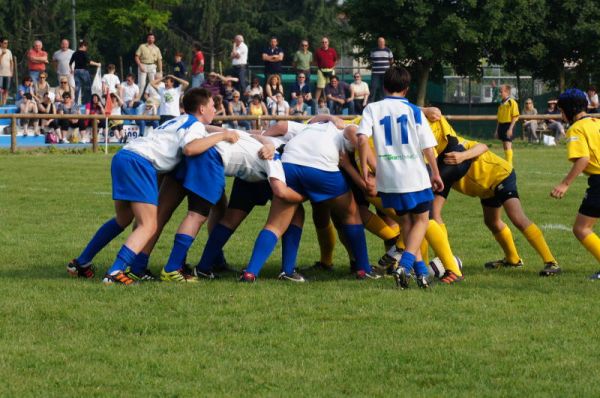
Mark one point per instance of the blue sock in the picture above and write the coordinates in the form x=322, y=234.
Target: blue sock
x=220, y=258
x=140, y=263
x=290, y=243
x=103, y=236
x=407, y=260
x=181, y=245
x=214, y=245
x=355, y=233
x=263, y=247
x=421, y=268
x=124, y=259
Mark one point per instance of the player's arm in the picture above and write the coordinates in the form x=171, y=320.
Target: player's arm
x=200, y=145
x=579, y=165
x=513, y=121
x=339, y=123
x=436, y=181
x=267, y=152
x=365, y=156
x=283, y=192
x=471, y=153
x=432, y=113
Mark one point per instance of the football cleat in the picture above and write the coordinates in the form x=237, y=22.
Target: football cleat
x=550, y=269
x=450, y=277
x=177, y=276
x=147, y=276
x=362, y=275
x=120, y=278
x=387, y=261
x=318, y=267
x=247, y=277
x=80, y=271
x=402, y=278
x=294, y=277
x=503, y=264
x=205, y=274
x=595, y=277
x=422, y=282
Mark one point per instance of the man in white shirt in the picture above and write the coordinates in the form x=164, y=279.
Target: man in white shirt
x=169, y=96
x=239, y=61
x=131, y=94
x=61, y=59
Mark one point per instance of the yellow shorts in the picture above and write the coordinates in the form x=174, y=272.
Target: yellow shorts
x=321, y=79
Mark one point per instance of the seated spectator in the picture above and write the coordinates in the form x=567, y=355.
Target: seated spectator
x=555, y=126
x=111, y=82
x=273, y=88
x=150, y=109
x=41, y=87
x=258, y=108
x=25, y=87
x=322, y=109
x=68, y=107
x=237, y=108
x=592, y=98
x=280, y=107
x=46, y=106
x=214, y=83
x=64, y=87
x=301, y=88
x=299, y=108
x=530, y=126
x=169, y=96
x=131, y=96
x=95, y=107
x=227, y=93
x=253, y=89
x=116, y=126
x=360, y=93
x=219, y=110
x=338, y=98
x=28, y=105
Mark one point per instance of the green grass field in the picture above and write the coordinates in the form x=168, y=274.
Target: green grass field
x=503, y=333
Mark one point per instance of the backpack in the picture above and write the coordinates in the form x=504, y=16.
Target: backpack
x=51, y=138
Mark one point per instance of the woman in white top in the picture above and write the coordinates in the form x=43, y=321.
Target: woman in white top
x=280, y=107
x=530, y=126
x=361, y=93
x=253, y=89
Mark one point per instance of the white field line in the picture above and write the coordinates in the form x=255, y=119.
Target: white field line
x=559, y=227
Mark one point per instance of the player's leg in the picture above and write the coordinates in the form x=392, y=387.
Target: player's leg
x=583, y=230
x=326, y=236
x=503, y=235
x=290, y=243
x=413, y=226
x=217, y=212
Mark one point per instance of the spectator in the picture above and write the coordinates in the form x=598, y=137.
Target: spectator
x=555, y=126
x=360, y=93
x=61, y=60
x=69, y=107
x=41, y=87
x=301, y=88
x=272, y=56
x=150, y=109
x=239, y=61
x=28, y=105
x=110, y=81
x=79, y=65
x=46, y=106
x=131, y=95
x=381, y=58
x=25, y=88
x=169, y=96
x=95, y=107
x=253, y=89
x=64, y=87
x=322, y=109
x=592, y=97
x=36, y=60
x=7, y=68
x=237, y=108
x=280, y=107
x=326, y=58
x=337, y=96
x=273, y=88
x=219, y=110
x=214, y=83
x=179, y=69
x=303, y=58
x=258, y=108
x=197, y=67
x=116, y=126
x=530, y=126
x=227, y=92
x=299, y=108
x=149, y=60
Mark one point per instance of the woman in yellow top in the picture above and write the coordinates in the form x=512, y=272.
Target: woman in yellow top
x=583, y=149
x=257, y=108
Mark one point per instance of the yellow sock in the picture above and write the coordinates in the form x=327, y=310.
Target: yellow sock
x=396, y=229
x=444, y=229
x=425, y=251
x=508, y=155
x=592, y=244
x=326, y=238
x=507, y=243
x=441, y=246
x=378, y=227
x=400, y=243
x=536, y=239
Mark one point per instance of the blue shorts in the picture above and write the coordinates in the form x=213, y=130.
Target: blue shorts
x=133, y=178
x=203, y=175
x=316, y=184
x=409, y=202
x=245, y=195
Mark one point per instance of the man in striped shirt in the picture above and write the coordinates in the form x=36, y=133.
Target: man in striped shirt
x=381, y=58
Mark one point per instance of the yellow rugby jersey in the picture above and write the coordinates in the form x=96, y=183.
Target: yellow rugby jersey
x=507, y=110
x=441, y=130
x=583, y=140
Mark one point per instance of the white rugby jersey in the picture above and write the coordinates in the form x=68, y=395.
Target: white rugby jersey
x=294, y=128
x=163, y=148
x=318, y=145
x=400, y=133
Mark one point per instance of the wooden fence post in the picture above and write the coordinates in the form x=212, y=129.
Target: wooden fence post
x=13, y=134
x=94, y=135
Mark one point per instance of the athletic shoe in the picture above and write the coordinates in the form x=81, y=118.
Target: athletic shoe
x=387, y=261
x=120, y=278
x=362, y=274
x=147, y=276
x=595, y=277
x=294, y=277
x=550, y=269
x=177, y=276
x=248, y=277
x=205, y=274
x=450, y=277
x=225, y=268
x=422, y=282
x=402, y=278
x=503, y=264
x=81, y=271
x=318, y=267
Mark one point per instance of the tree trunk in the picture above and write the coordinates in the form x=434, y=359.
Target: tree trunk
x=422, y=84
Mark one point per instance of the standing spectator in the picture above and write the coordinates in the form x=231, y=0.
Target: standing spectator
x=280, y=107
x=508, y=114
x=273, y=88
x=592, y=98
x=272, y=56
x=64, y=87
x=339, y=97
x=69, y=107
x=169, y=96
x=7, y=68
x=239, y=61
x=110, y=81
x=381, y=58
x=237, y=108
x=79, y=65
x=25, y=88
x=179, y=69
x=131, y=95
x=149, y=60
x=197, y=67
x=301, y=88
x=303, y=58
x=360, y=93
x=530, y=126
x=253, y=89
x=36, y=60
x=61, y=60
x=326, y=57
x=555, y=126
x=29, y=105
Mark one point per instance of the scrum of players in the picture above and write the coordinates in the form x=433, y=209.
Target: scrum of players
x=398, y=159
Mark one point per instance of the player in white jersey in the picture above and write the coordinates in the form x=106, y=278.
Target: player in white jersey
x=402, y=137
x=134, y=180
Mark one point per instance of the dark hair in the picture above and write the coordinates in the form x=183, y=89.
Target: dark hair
x=195, y=97
x=334, y=77
x=572, y=102
x=27, y=78
x=130, y=75
x=197, y=46
x=256, y=97
x=2, y=38
x=179, y=54
x=82, y=43
x=66, y=95
x=28, y=96
x=169, y=78
x=150, y=34
x=111, y=67
x=97, y=96
x=396, y=79
x=591, y=88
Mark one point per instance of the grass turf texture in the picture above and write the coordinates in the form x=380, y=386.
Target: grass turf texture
x=500, y=333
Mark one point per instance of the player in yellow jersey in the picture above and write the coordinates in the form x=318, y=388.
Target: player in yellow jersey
x=508, y=114
x=583, y=149
x=493, y=180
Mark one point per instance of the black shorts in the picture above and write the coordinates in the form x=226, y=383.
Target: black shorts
x=502, y=129
x=590, y=206
x=451, y=173
x=507, y=189
x=198, y=204
x=245, y=195
x=5, y=82
x=359, y=195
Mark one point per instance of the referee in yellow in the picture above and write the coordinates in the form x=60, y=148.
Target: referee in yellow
x=508, y=114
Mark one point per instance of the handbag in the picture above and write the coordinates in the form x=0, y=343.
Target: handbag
x=97, y=82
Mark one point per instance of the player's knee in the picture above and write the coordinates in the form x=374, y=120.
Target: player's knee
x=580, y=231
x=494, y=225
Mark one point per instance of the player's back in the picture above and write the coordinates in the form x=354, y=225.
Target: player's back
x=583, y=140
x=318, y=145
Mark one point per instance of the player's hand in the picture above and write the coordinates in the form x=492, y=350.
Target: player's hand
x=509, y=133
x=454, y=158
x=371, y=185
x=559, y=191
x=436, y=183
x=339, y=123
x=267, y=152
x=231, y=136
x=432, y=113
x=343, y=159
